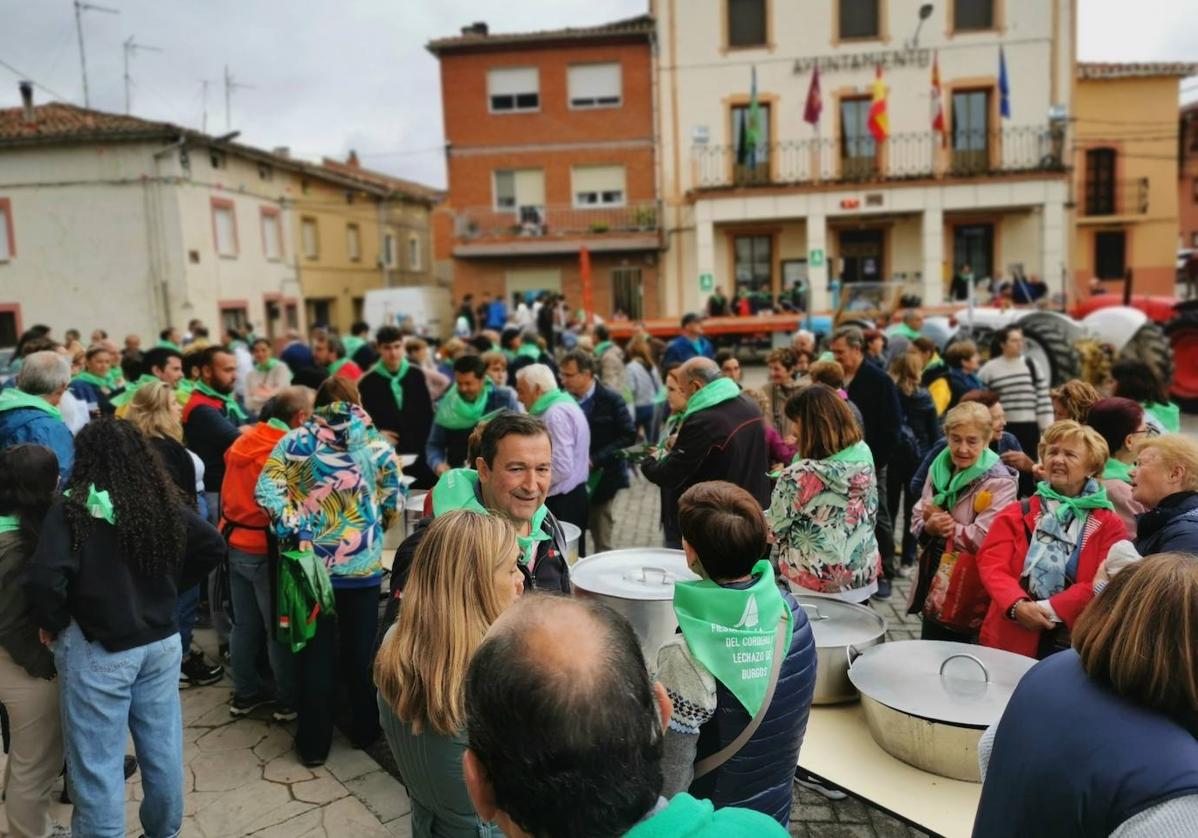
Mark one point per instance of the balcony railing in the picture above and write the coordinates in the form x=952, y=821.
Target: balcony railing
x=861, y=160
x=1121, y=197
x=472, y=223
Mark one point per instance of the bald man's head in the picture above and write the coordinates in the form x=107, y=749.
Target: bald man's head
x=697, y=373
x=292, y=405
x=558, y=699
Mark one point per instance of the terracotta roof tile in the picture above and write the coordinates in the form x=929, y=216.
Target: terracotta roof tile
x=395, y=184
x=1097, y=70
x=58, y=121
x=643, y=25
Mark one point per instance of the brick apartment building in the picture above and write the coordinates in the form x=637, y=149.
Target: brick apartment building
x=550, y=149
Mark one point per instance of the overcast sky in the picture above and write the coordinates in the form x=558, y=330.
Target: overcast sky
x=326, y=76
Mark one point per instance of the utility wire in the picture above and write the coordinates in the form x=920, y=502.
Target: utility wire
x=35, y=82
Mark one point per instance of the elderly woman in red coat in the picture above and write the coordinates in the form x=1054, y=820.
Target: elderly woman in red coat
x=1039, y=558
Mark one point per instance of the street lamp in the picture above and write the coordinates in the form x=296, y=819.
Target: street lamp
x=925, y=12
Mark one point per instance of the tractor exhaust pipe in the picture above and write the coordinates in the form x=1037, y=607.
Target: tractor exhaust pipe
x=1127, y=283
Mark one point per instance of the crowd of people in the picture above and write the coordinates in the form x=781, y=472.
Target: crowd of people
x=139, y=488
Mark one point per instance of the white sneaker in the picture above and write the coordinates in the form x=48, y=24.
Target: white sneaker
x=828, y=792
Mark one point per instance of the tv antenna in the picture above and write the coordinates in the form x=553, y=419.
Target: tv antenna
x=80, y=8
x=230, y=86
x=131, y=48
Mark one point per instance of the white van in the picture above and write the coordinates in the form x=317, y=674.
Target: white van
x=428, y=308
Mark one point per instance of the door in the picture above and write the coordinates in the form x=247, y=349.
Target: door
x=973, y=245
x=861, y=254
x=971, y=132
x=627, y=293
x=531, y=282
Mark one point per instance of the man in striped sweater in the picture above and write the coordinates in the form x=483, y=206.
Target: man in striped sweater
x=1022, y=388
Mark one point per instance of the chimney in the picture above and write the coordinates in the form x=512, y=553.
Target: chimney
x=282, y=151
x=477, y=28
x=352, y=160
x=27, y=102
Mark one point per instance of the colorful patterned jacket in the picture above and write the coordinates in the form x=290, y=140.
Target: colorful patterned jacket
x=335, y=482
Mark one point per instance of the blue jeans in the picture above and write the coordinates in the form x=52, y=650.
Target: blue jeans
x=104, y=697
x=216, y=608
x=253, y=626
x=645, y=418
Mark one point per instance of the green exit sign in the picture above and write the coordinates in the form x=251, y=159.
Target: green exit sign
x=816, y=258
x=706, y=282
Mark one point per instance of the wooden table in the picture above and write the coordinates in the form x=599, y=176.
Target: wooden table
x=838, y=748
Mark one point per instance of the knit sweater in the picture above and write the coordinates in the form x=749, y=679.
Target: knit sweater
x=1023, y=399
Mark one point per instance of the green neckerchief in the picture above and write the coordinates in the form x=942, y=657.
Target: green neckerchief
x=122, y=399
x=906, y=331
x=731, y=631
x=1116, y=470
x=184, y=389
x=278, y=425
x=99, y=504
x=858, y=452
x=457, y=414
x=166, y=344
x=352, y=345
x=9, y=523
x=936, y=361
x=395, y=379
x=1080, y=506
x=548, y=400
x=458, y=489
x=336, y=366
x=12, y=399
x=270, y=364
x=114, y=378
x=946, y=485
x=93, y=379
x=826, y=356
x=697, y=343
x=230, y=403
x=603, y=347
x=1169, y=415
x=717, y=392
x=529, y=350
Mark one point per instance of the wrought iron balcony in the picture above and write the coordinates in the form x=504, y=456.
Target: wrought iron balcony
x=861, y=160
x=1128, y=196
x=538, y=222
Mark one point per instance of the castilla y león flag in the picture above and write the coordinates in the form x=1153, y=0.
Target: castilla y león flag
x=937, y=102
x=815, y=103
x=879, y=119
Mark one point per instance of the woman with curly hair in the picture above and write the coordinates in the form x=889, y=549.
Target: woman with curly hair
x=115, y=549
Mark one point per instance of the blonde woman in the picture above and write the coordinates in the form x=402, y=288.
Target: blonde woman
x=465, y=573
x=156, y=412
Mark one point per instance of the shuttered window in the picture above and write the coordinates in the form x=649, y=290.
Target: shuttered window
x=514, y=89
x=594, y=85
x=310, y=236
x=272, y=241
x=519, y=188
x=598, y=186
x=224, y=228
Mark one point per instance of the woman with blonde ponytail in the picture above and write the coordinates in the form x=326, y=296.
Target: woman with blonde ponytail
x=465, y=573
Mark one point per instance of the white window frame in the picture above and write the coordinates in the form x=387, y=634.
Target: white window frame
x=389, y=249
x=590, y=103
x=8, y=247
x=516, y=204
x=270, y=219
x=220, y=206
x=311, y=248
x=491, y=73
x=415, y=253
x=353, y=242
x=603, y=198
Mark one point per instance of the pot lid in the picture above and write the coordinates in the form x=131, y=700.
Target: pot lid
x=838, y=623
x=640, y=574
x=940, y=680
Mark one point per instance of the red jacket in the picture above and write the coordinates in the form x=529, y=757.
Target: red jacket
x=350, y=370
x=243, y=464
x=1000, y=564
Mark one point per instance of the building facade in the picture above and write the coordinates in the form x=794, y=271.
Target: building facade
x=1187, y=196
x=550, y=150
x=801, y=195
x=1126, y=208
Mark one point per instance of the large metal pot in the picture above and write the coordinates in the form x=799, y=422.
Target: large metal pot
x=573, y=534
x=638, y=583
x=927, y=702
x=839, y=626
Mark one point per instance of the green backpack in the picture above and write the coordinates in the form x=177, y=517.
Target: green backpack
x=304, y=593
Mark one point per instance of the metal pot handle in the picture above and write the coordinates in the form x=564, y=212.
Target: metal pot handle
x=665, y=574
x=815, y=608
x=851, y=653
x=985, y=671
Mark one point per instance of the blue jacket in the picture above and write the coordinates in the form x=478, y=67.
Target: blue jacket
x=761, y=775
x=611, y=431
x=682, y=350
x=1072, y=757
x=28, y=424
x=1172, y=525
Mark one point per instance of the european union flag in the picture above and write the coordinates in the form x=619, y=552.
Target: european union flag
x=1004, y=86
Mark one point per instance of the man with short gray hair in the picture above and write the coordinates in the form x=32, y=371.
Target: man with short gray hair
x=29, y=411
x=720, y=436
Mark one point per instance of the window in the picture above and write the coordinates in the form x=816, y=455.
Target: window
x=747, y=23
x=265, y=172
x=319, y=311
x=10, y=330
x=389, y=250
x=973, y=15
x=860, y=19
x=597, y=186
x=224, y=228
x=752, y=160
x=594, y=85
x=973, y=245
x=858, y=151
x=310, y=236
x=513, y=90
x=415, y=262
x=1100, y=181
x=8, y=244
x=1110, y=255
x=971, y=134
x=627, y=291
x=216, y=158
x=754, y=262
x=272, y=240
x=353, y=242
x=519, y=188
x=234, y=316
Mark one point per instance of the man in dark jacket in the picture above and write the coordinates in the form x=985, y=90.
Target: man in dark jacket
x=611, y=431
x=529, y=352
x=396, y=396
x=689, y=344
x=876, y=395
x=463, y=406
x=1165, y=481
x=212, y=419
x=721, y=436
x=29, y=411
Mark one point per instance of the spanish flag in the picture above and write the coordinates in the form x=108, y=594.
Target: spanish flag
x=879, y=120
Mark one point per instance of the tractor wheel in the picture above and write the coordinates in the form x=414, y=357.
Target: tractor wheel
x=1150, y=345
x=982, y=336
x=1048, y=342
x=1183, y=337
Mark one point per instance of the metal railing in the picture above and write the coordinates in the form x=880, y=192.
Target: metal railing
x=861, y=160
x=555, y=221
x=1128, y=196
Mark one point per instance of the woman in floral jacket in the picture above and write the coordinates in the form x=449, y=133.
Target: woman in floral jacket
x=825, y=505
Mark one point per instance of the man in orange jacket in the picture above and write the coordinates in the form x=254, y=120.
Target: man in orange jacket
x=245, y=527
